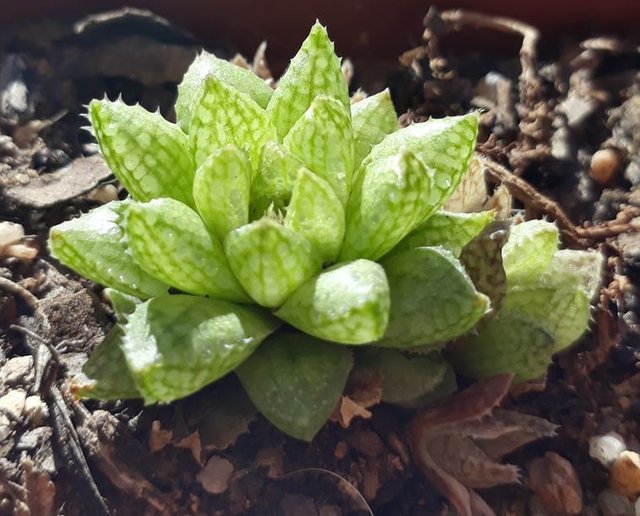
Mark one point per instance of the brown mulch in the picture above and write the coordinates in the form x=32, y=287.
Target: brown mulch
x=544, y=118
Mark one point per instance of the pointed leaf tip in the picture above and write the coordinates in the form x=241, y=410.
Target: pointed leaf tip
x=347, y=303
x=149, y=155
x=270, y=260
x=315, y=70
x=170, y=241
x=296, y=381
x=175, y=345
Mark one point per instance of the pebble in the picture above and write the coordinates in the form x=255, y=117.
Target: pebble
x=103, y=194
x=606, y=448
x=17, y=371
x=625, y=474
x=555, y=481
x=36, y=410
x=10, y=233
x=13, y=403
x=214, y=477
x=605, y=165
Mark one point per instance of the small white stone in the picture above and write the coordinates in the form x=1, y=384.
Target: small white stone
x=606, y=448
x=10, y=233
x=12, y=403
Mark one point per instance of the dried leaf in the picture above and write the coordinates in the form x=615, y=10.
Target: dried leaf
x=447, y=443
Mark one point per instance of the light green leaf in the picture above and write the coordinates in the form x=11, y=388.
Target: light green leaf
x=432, y=298
x=408, y=377
x=445, y=146
x=273, y=183
x=223, y=116
x=221, y=190
x=93, y=245
x=389, y=200
x=175, y=345
x=149, y=156
x=449, y=230
x=563, y=312
x=372, y=118
x=323, y=140
x=170, y=242
x=108, y=377
x=509, y=343
x=347, y=303
x=123, y=304
x=529, y=250
x=573, y=269
x=317, y=214
x=241, y=79
x=270, y=260
x=296, y=381
x=315, y=70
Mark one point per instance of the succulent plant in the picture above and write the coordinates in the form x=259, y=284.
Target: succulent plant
x=274, y=232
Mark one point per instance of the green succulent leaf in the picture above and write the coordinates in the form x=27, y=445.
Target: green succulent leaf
x=314, y=71
x=529, y=250
x=372, y=119
x=323, y=140
x=573, y=269
x=347, y=303
x=107, y=372
x=93, y=246
x=221, y=190
x=175, y=345
x=445, y=147
x=389, y=200
x=225, y=116
x=563, y=312
x=273, y=183
x=482, y=259
x=432, y=298
x=123, y=304
x=296, y=381
x=238, y=78
x=449, y=230
x=148, y=155
x=270, y=260
x=316, y=213
x=509, y=343
x=408, y=377
x=170, y=242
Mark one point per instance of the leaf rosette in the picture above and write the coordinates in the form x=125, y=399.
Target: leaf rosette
x=294, y=217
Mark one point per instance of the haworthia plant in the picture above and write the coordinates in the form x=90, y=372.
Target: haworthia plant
x=292, y=217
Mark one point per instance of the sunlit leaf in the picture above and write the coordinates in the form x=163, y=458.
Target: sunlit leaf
x=123, y=304
x=444, y=146
x=316, y=213
x=315, y=70
x=529, y=250
x=148, y=155
x=221, y=190
x=323, y=140
x=234, y=76
x=451, y=231
x=170, y=242
x=296, y=380
x=372, y=119
x=432, y=298
x=390, y=198
x=175, y=345
x=347, y=303
x=270, y=260
x=93, y=246
x=509, y=343
x=563, y=312
x=224, y=116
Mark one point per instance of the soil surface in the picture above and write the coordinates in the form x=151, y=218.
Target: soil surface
x=561, y=130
